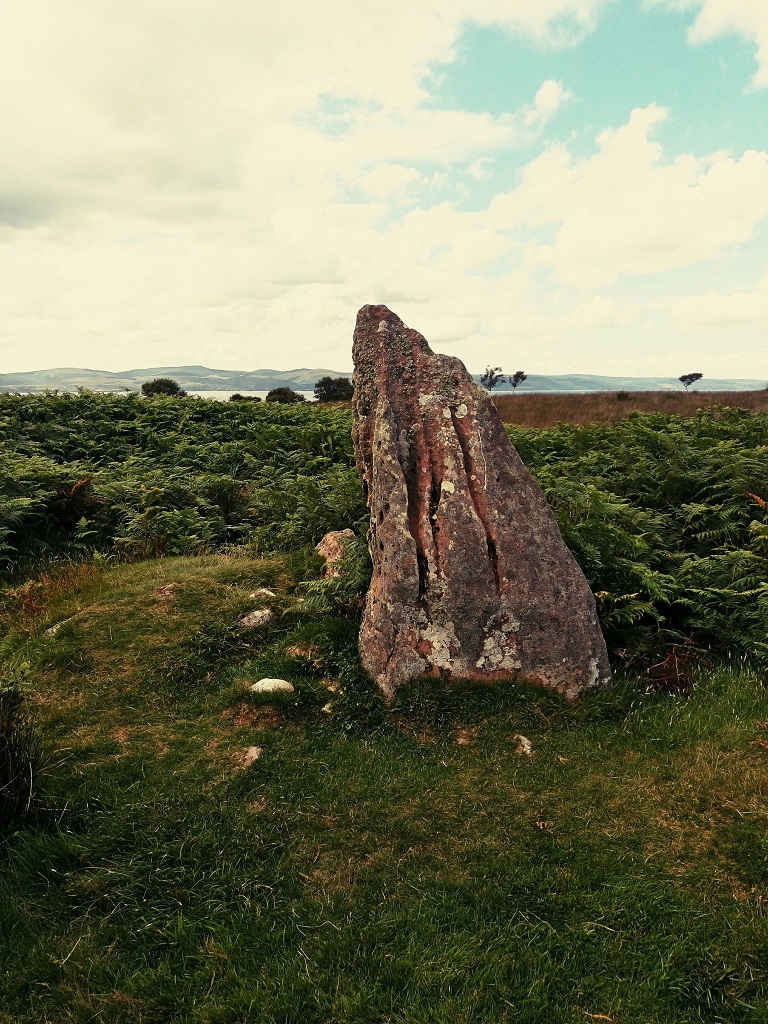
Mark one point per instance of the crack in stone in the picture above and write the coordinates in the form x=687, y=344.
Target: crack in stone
x=479, y=498
x=416, y=466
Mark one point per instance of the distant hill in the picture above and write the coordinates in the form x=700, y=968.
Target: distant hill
x=191, y=378
x=203, y=378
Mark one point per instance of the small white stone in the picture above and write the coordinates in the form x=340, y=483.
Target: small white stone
x=259, y=617
x=261, y=592
x=524, y=746
x=252, y=754
x=327, y=708
x=461, y=412
x=272, y=686
x=447, y=413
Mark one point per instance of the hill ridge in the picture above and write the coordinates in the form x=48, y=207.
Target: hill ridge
x=205, y=378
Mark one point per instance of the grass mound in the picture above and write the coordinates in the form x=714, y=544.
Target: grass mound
x=412, y=863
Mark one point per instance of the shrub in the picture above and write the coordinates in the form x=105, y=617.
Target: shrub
x=285, y=396
x=334, y=389
x=162, y=386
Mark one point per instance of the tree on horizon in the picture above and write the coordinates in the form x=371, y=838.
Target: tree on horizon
x=689, y=378
x=492, y=377
x=284, y=396
x=334, y=389
x=162, y=386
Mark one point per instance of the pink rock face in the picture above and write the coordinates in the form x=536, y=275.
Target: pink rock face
x=331, y=548
x=471, y=578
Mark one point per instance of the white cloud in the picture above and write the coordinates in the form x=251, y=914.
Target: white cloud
x=627, y=210
x=747, y=18
x=723, y=311
x=169, y=171
x=105, y=102
x=547, y=101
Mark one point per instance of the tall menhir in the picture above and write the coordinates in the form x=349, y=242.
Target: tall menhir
x=471, y=578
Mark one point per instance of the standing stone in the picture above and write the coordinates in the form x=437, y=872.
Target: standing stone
x=471, y=578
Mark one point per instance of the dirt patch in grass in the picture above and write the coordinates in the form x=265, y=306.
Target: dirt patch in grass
x=245, y=717
x=466, y=737
x=680, y=843
x=333, y=872
x=131, y=736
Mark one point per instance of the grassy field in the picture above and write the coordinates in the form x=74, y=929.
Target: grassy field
x=602, y=407
x=373, y=864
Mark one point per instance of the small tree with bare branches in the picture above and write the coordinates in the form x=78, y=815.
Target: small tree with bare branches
x=492, y=377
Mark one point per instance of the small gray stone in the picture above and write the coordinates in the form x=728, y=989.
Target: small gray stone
x=53, y=630
x=272, y=686
x=258, y=617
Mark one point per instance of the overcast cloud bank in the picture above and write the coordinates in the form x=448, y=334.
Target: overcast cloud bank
x=215, y=183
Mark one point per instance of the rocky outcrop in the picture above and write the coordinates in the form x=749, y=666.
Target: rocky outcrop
x=471, y=578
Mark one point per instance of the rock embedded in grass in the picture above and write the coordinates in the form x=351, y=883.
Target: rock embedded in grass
x=471, y=578
x=523, y=746
x=53, y=630
x=272, y=686
x=256, y=618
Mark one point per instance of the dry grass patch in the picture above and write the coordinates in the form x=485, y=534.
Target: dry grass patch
x=133, y=738
x=245, y=717
x=603, y=407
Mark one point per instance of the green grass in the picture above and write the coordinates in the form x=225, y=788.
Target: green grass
x=400, y=865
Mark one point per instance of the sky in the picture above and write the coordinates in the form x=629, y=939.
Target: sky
x=557, y=186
